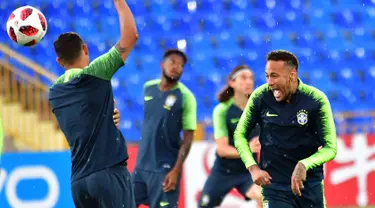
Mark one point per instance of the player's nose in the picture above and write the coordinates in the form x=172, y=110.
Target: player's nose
x=270, y=82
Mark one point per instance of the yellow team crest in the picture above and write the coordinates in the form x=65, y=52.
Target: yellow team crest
x=205, y=200
x=302, y=117
x=170, y=101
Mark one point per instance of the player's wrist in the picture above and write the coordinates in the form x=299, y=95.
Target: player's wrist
x=177, y=169
x=253, y=168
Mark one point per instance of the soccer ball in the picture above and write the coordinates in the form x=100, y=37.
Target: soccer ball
x=26, y=26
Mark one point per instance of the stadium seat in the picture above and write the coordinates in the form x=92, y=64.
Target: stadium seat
x=334, y=41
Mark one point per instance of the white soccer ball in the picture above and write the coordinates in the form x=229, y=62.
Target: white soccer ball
x=26, y=26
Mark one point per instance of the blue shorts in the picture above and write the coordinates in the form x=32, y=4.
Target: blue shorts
x=219, y=183
x=312, y=197
x=110, y=187
x=148, y=190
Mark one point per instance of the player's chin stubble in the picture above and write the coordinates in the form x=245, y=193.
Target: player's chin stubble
x=170, y=79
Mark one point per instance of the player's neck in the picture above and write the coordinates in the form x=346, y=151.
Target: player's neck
x=240, y=100
x=293, y=91
x=165, y=85
x=75, y=66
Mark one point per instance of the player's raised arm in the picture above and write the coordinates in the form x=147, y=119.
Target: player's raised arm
x=327, y=131
x=107, y=65
x=128, y=29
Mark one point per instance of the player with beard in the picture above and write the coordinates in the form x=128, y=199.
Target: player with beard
x=169, y=108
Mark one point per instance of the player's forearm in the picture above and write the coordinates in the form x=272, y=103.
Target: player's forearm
x=327, y=131
x=243, y=149
x=246, y=123
x=228, y=152
x=128, y=28
x=326, y=154
x=184, y=151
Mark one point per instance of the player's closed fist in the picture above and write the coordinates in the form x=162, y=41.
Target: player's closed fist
x=260, y=177
x=298, y=177
x=116, y=117
x=170, y=181
x=255, y=144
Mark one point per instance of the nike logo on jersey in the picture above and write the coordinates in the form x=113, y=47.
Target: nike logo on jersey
x=234, y=120
x=163, y=204
x=147, y=98
x=271, y=115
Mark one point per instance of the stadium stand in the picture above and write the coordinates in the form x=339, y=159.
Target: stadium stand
x=334, y=40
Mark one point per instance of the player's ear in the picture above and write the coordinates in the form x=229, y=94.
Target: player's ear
x=293, y=75
x=85, y=49
x=60, y=62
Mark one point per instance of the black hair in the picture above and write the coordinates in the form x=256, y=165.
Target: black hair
x=68, y=47
x=228, y=92
x=282, y=55
x=175, y=52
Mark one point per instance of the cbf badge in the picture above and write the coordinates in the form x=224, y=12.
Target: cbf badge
x=302, y=117
x=171, y=99
x=169, y=102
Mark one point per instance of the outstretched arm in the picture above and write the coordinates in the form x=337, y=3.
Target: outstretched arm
x=128, y=29
x=106, y=65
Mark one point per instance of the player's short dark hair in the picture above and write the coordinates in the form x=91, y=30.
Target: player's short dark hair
x=68, y=47
x=175, y=52
x=283, y=55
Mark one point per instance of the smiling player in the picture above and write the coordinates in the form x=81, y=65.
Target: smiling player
x=295, y=120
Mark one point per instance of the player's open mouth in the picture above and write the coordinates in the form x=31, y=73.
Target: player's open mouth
x=277, y=94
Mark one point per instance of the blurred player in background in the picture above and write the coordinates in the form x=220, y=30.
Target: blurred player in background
x=169, y=107
x=83, y=104
x=295, y=120
x=228, y=170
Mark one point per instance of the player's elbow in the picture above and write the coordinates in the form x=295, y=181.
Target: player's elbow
x=132, y=37
x=334, y=152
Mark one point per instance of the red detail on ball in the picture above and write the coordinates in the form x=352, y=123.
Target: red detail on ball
x=31, y=43
x=26, y=13
x=29, y=30
x=42, y=21
x=12, y=34
x=11, y=16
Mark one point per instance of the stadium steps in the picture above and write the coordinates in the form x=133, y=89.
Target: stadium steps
x=26, y=113
x=28, y=131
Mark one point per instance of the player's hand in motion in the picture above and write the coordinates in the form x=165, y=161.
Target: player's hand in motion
x=170, y=181
x=116, y=117
x=298, y=177
x=255, y=144
x=260, y=177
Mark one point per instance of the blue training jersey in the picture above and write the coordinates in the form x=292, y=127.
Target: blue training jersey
x=83, y=104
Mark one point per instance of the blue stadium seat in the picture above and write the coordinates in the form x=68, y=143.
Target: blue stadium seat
x=334, y=41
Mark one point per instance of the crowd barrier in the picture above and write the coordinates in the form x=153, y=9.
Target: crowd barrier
x=43, y=179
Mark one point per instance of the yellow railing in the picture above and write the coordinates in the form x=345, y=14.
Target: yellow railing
x=29, y=94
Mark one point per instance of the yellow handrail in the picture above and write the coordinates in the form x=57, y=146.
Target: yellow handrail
x=40, y=71
x=26, y=108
